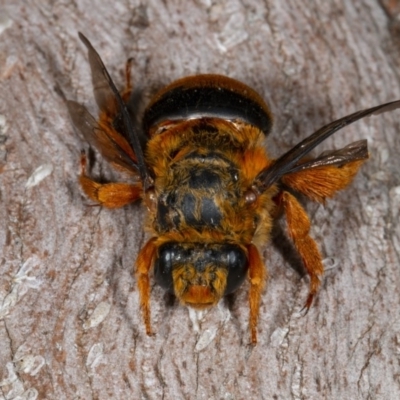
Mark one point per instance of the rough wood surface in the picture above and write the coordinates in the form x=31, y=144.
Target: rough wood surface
x=70, y=326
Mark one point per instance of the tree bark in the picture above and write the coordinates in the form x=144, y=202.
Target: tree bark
x=70, y=324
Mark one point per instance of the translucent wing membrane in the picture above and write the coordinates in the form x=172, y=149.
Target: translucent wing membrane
x=288, y=162
x=110, y=102
x=113, y=147
x=353, y=152
x=103, y=94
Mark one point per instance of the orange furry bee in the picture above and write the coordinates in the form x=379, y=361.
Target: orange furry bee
x=211, y=190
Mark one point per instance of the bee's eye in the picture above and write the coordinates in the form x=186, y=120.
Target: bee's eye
x=168, y=256
x=237, y=266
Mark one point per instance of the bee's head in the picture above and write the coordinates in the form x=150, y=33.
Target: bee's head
x=199, y=274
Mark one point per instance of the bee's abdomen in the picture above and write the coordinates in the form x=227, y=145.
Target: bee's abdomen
x=208, y=96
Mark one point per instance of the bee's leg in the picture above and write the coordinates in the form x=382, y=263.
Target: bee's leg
x=128, y=67
x=257, y=276
x=111, y=195
x=299, y=226
x=143, y=265
x=128, y=86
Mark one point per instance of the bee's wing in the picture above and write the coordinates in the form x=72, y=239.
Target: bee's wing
x=109, y=100
x=355, y=151
x=113, y=147
x=288, y=162
x=103, y=94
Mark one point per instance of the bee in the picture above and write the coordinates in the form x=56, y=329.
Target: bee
x=211, y=190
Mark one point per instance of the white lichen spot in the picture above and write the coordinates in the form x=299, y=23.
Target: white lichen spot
x=15, y=386
x=12, y=376
x=9, y=302
x=16, y=391
x=369, y=210
x=330, y=263
x=394, y=195
x=38, y=175
x=278, y=336
x=30, y=364
x=26, y=362
x=296, y=382
x=8, y=67
x=22, y=282
x=30, y=394
x=224, y=312
x=384, y=155
x=95, y=355
x=396, y=242
x=205, y=339
x=232, y=33
x=3, y=124
x=5, y=22
x=98, y=316
x=216, y=12
x=22, y=276
x=205, y=3
x=195, y=317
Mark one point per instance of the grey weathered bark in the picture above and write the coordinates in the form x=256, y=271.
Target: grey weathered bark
x=70, y=325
